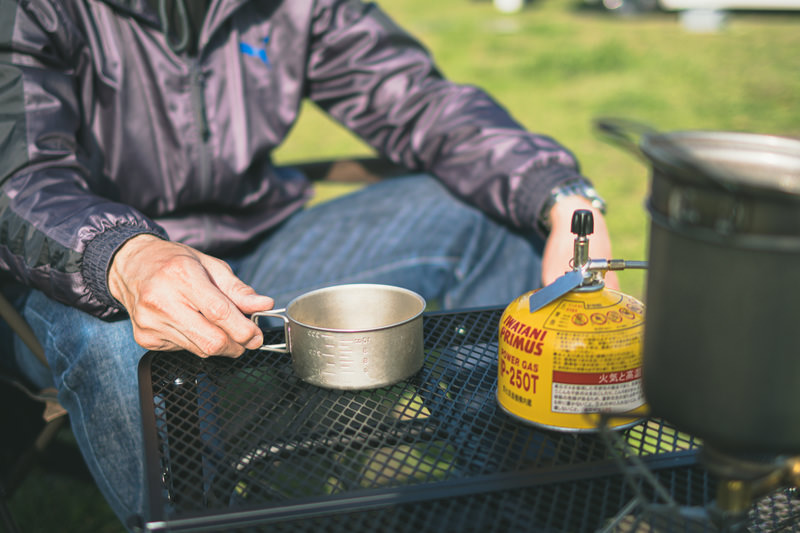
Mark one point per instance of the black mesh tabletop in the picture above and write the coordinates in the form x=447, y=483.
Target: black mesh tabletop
x=243, y=444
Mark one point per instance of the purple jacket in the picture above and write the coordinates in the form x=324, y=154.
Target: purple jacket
x=106, y=133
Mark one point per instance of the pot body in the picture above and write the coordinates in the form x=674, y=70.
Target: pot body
x=721, y=336
x=354, y=337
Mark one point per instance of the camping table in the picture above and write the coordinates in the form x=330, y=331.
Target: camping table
x=232, y=444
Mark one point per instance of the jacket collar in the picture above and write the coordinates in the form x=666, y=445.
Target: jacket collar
x=218, y=11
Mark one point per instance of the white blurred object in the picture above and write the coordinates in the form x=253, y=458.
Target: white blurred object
x=729, y=4
x=702, y=20
x=645, y=6
x=509, y=6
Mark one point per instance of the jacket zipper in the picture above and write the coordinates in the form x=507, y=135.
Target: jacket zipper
x=201, y=121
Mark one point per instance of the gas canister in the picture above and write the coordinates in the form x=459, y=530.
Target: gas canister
x=573, y=349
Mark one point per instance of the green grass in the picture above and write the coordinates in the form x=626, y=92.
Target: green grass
x=555, y=67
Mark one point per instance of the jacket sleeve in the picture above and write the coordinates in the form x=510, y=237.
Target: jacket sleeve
x=55, y=234
x=380, y=83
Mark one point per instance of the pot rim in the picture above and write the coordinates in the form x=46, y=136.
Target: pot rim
x=776, y=157
x=357, y=286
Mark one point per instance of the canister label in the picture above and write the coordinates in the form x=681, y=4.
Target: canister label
x=577, y=355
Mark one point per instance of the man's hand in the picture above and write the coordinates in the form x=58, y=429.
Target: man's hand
x=559, y=248
x=179, y=298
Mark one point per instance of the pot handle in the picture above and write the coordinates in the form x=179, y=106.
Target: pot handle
x=625, y=133
x=284, y=347
x=629, y=134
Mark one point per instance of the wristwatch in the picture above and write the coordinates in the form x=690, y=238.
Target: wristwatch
x=570, y=188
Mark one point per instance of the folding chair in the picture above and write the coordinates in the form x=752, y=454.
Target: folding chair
x=52, y=417
x=349, y=170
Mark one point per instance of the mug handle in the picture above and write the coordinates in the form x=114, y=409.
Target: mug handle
x=278, y=313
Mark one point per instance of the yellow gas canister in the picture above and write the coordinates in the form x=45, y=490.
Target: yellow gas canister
x=574, y=348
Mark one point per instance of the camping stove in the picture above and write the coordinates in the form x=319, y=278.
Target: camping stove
x=746, y=479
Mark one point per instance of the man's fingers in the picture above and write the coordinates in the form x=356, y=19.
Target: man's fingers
x=194, y=338
x=220, y=311
x=240, y=293
x=210, y=339
x=168, y=324
x=231, y=298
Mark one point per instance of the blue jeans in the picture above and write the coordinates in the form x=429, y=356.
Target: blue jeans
x=405, y=231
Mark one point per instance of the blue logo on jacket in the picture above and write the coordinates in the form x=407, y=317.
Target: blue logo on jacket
x=260, y=53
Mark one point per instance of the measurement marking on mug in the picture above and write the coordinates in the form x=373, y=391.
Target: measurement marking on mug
x=319, y=335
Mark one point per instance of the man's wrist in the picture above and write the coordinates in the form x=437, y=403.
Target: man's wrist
x=98, y=256
x=120, y=260
x=559, y=193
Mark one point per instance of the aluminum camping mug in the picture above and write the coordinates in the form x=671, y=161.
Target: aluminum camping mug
x=359, y=336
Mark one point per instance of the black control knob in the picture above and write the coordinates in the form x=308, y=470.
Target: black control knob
x=582, y=222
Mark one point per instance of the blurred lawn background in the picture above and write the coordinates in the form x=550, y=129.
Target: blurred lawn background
x=556, y=66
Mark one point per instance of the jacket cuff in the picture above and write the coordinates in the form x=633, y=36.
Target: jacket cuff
x=534, y=191
x=98, y=255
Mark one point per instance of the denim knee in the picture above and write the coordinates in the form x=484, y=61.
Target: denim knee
x=94, y=365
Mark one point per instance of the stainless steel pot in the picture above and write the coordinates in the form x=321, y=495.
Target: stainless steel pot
x=722, y=338
x=358, y=336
